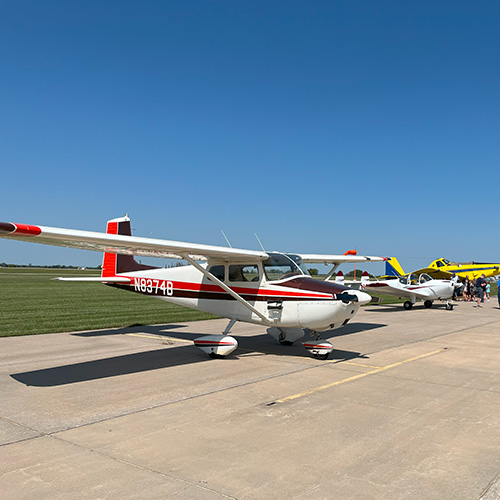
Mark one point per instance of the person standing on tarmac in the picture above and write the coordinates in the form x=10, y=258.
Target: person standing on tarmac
x=454, y=282
x=479, y=287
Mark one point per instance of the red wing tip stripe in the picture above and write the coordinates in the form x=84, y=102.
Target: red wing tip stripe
x=9, y=228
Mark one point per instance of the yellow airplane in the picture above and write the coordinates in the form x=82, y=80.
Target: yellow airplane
x=444, y=269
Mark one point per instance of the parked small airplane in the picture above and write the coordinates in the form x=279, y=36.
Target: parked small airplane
x=269, y=288
x=444, y=269
x=413, y=286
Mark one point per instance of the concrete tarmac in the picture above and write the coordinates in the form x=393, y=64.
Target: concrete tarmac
x=407, y=407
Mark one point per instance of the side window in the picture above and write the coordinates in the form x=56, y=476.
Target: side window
x=439, y=263
x=218, y=272
x=244, y=273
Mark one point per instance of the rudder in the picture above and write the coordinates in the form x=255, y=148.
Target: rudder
x=393, y=267
x=112, y=263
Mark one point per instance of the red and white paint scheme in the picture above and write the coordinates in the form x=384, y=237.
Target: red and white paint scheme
x=413, y=286
x=268, y=288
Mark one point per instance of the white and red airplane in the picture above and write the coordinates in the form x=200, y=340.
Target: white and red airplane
x=268, y=288
x=413, y=286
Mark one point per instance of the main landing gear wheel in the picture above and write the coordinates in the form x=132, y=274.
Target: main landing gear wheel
x=449, y=307
x=408, y=305
x=428, y=303
x=322, y=357
x=320, y=349
x=213, y=355
x=216, y=346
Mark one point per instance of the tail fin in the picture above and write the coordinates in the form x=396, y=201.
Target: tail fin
x=365, y=278
x=393, y=267
x=339, y=278
x=112, y=263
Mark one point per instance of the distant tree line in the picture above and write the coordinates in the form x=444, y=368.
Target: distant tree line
x=55, y=266
x=350, y=275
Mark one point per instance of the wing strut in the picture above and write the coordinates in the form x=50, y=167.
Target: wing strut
x=332, y=270
x=229, y=290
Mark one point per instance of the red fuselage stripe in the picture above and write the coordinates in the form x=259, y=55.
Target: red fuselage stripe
x=198, y=288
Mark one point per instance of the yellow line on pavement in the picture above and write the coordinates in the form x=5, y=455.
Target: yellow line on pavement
x=336, y=361
x=356, y=377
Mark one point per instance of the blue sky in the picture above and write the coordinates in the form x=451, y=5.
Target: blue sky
x=321, y=126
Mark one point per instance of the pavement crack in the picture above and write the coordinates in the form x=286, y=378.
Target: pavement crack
x=144, y=468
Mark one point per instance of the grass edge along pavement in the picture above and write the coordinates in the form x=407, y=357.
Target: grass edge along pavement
x=32, y=302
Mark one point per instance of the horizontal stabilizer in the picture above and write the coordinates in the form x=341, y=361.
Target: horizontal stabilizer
x=116, y=279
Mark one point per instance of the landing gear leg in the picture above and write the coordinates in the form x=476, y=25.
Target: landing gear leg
x=285, y=336
x=229, y=326
x=449, y=306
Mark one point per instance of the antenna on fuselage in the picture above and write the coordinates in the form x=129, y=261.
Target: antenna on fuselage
x=261, y=245
x=225, y=237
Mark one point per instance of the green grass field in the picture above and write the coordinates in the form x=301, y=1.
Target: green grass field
x=31, y=302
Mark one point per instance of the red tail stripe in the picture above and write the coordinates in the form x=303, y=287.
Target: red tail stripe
x=109, y=259
x=112, y=228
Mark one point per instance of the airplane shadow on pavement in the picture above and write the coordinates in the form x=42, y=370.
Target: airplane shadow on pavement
x=398, y=307
x=174, y=355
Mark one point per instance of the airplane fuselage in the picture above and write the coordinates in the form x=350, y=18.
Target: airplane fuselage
x=471, y=270
x=295, y=302
x=429, y=290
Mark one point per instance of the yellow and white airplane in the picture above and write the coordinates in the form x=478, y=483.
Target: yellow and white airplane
x=269, y=288
x=444, y=269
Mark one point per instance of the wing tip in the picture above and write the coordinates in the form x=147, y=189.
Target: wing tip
x=8, y=228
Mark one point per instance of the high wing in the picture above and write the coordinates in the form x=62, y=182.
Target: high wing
x=338, y=259
x=434, y=273
x=126, y=245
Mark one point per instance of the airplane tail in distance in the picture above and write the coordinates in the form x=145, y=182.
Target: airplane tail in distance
x=339, y=278
x=365, y=277
x=393, y=267
x=113, y=263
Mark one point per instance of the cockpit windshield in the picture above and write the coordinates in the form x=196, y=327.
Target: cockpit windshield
x=424, y=277
x=409, y=279
x=442, y=262
x=414, y=279
x=280, y=266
